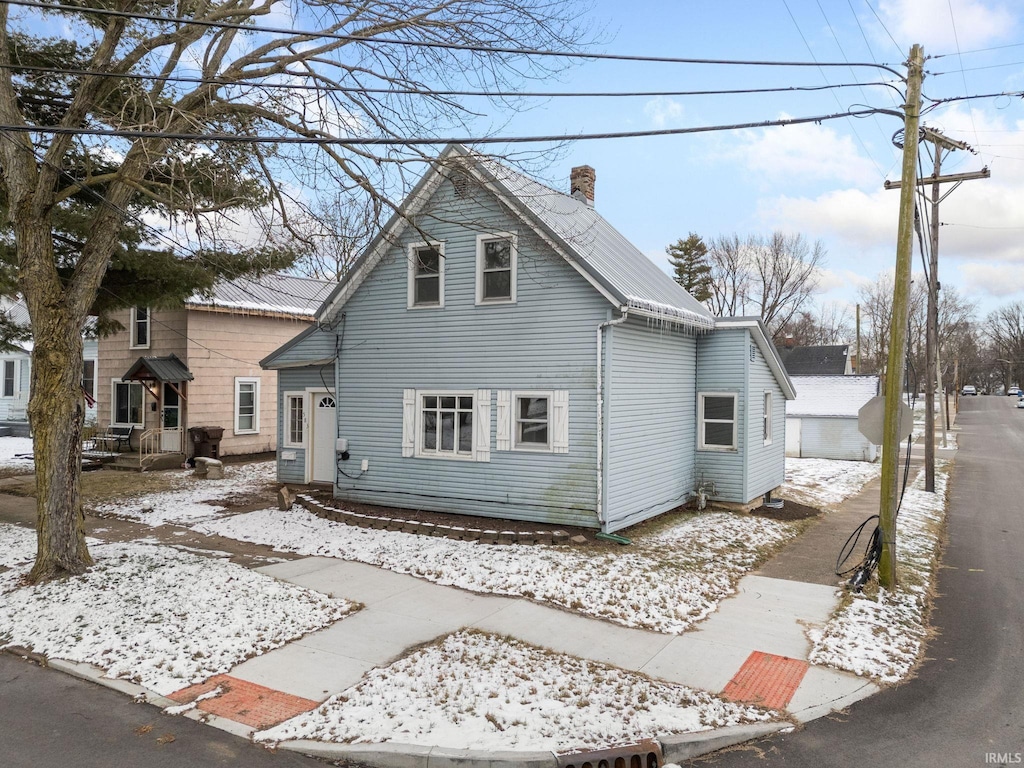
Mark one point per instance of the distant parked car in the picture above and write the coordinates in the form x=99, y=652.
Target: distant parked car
x=969, y=389
x=1020, y=403
x=1013, y=391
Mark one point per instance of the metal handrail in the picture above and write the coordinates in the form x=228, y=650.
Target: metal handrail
x=150, y=440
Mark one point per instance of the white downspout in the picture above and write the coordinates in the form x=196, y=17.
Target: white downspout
x=600, y=412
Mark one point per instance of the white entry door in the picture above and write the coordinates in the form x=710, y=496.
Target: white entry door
x=325, y=431
x=170, y=420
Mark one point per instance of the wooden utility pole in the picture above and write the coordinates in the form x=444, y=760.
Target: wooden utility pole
x=932, y=377
x=891, y=437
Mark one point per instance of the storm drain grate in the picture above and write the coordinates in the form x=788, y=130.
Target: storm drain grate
x=643, y=754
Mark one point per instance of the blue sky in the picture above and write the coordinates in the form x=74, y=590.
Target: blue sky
x=824, y=181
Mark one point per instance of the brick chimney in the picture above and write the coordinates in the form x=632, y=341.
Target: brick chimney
x=581, y=184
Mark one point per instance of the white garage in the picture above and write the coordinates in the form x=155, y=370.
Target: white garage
x=822, y=421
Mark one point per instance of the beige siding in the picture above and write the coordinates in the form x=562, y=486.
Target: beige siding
x=217, y=347
x=167, y=330
x=221, y=348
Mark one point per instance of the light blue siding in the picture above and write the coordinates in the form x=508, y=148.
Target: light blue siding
x=545, y=341
x=766, y=464
x=722, y=367
x=651, y=421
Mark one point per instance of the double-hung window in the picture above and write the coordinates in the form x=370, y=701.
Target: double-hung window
x=426, y=275
x=446, y=424
x=496, y=257
x=716, y=421
x=139, y=328
x=247, y=406
x=294, y=420
x=10, y=382
x=766, y=418
x=533, y=425
x=89, y=379
x=127, y=403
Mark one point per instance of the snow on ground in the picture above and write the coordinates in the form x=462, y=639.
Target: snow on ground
x=160, y=617
x=17, y=545
x=882, y=636
x=665, y=581
x=194, y=499
x=16, y=452
x=477, y=691
x=826, y=482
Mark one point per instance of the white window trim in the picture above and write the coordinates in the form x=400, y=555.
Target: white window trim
x=513, y=261
x=514, y=436
x=95, y=374
x=113, y=404
x=287, y=421
x=133, y=344
x=701, y=445
x=411, y=287
x=16, y=392
x=419, y=451
x=239, y=380
x=768, y=418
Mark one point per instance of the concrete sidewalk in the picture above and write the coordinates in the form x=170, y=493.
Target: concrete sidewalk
x=754, y=648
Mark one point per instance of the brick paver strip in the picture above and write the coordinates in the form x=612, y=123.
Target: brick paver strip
x=244, y=702
x=766, y=680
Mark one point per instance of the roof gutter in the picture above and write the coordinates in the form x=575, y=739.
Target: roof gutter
x=601, y=517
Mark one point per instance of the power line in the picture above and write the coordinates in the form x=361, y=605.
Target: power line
x=231, y=138
x=882, y=24
x=977, y=50
x=419, y=91
x=963, y=75
x=50, y=7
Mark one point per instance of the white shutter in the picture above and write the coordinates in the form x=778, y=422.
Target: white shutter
x=408, y=422
x=503, y=441
x=560, y=421
x=482, y=426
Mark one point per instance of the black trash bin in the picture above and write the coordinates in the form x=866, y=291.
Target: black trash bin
x=206, y=441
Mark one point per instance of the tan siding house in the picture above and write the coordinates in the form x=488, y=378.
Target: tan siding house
x=172, y=369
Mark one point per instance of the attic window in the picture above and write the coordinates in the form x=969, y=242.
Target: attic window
x=426, y=275
x=460, y=183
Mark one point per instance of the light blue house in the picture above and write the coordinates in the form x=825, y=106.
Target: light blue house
x=501, y=350
x=16, y=373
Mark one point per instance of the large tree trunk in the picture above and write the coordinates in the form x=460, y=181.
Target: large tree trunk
x=56, y=412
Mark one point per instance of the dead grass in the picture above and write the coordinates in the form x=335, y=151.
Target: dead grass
x=109, y=484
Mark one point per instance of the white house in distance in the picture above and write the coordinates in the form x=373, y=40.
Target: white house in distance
x=822, y=421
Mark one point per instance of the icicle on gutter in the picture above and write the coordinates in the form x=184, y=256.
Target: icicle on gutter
x=666, y=315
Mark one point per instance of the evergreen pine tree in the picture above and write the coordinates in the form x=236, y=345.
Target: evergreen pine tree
x=690, y=266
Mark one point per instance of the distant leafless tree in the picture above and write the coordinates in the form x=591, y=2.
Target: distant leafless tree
x=1005, y=329
x=334, y=236
x=773, y=277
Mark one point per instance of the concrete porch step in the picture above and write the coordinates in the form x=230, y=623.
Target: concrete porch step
x=129, y=462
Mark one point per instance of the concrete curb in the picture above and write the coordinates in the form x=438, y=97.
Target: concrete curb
x=675, y=749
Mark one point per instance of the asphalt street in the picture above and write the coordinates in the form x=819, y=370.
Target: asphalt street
x=965, y=707
x=51, y=719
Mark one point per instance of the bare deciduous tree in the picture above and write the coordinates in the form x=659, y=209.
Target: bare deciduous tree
x=333, y=78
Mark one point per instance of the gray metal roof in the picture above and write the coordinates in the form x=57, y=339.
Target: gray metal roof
x=602, y=250
x=272, y=293
x=168, y=368
x=818, y=360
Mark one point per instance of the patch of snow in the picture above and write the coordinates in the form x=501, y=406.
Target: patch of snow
x=181, y=709
x=16, y=452
x=194, y=499
x=160, y=617
x=826, y=482
x=478, y=691
x=882, y=637
x=666, y=581
x=17, y=545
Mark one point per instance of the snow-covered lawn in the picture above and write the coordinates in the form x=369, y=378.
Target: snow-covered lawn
x=882, y=635
x=477, y=691
x=664, y=581
x=16, y=453
x=155, y=615
x=826, y=482
x=17, y=545
x=193, y=499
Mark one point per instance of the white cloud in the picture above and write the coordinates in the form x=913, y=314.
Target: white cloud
x=664, y=112
x=801, y=153
x=861, y=220
x=940, y=25
x=998, y=280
